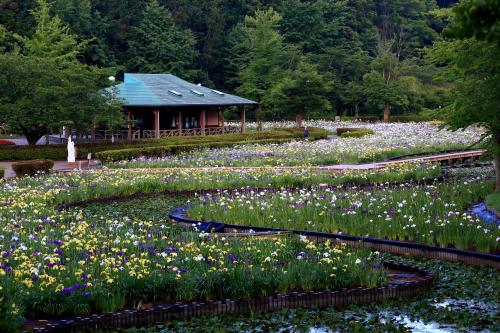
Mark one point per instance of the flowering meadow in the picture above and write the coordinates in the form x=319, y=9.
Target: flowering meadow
x=434, y=214
x=389, y=140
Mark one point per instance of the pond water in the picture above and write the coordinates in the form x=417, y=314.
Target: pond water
x=483, y=213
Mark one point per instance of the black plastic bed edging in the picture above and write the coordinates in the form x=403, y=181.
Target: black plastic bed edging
x=340, y=298
x=384, y=245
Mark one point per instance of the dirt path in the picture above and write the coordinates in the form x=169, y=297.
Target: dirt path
x=9, y=173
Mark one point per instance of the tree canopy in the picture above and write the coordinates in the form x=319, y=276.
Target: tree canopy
x=470, y=63
x=158, y=45
x=215, y=42
x=44, y=86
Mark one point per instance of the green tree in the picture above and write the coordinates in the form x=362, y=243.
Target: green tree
x=51, y=38
x=471, y=64
x=352, y=95
x=477, y=18
x=158, y=45
x=381, y=84
x=268, y=57
x=88, y=24
x=301, y=92
x=333, y=36
x=408, y=23
x=3, y=38
x=236, y=55
x=44, y=85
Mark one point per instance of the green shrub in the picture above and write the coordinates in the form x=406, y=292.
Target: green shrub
x=371, y=119
x=127, y=154
x=346, y=132
x=357, y=134
x=410, y=118
x=2, y=172
x=31, y=168
x=59, y=152
x=184, y=144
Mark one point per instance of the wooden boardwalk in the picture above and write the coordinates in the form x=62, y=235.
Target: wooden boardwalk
x=448, y=158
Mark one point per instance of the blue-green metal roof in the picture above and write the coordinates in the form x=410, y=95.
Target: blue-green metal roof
x=169, y=90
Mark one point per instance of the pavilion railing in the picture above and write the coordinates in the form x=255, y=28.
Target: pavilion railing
x=108, y=134
x=151, y=134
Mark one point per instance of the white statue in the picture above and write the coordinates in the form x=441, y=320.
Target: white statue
x=71, y=151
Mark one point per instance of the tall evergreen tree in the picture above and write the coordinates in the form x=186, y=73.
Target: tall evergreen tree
x=88, y=24
x=158, y=45
x=268, y=57
x=302, y=91
x=236, y=56
x=406, y=22
x=331, y=35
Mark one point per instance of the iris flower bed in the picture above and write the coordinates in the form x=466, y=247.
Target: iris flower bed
x=106, y=183
x=390, y=140
x=101, y=258
x=465, y=299
x=81, y=261
x=431, y=214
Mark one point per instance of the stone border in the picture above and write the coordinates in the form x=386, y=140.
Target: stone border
x=182, y=311
x=179, y=215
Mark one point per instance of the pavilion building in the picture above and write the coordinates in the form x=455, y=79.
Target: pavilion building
x=162, y=105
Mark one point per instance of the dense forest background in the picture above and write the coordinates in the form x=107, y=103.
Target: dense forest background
x=343, y=57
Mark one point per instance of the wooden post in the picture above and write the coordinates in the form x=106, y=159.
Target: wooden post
x=203, y=119
x=242, y=118
x=222, y=120
x=387, y=112
x=157, y=124
x=179, y=120
x=129, y=118
x=258, y=115
x=92, y=131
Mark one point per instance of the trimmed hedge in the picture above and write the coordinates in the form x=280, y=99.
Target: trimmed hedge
x=224, y=141
x=410, y=118
x=357, y=134
x=349, y=132
x=393, y=119
x=370, y=119
x=59, y=152
x=31, y=168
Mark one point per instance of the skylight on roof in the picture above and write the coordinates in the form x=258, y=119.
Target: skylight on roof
x=196, y=92
x=218, y=92
x=175, y=93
